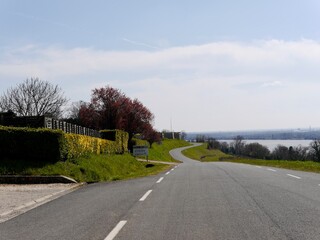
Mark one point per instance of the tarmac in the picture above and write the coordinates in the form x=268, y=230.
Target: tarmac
x=16, y=199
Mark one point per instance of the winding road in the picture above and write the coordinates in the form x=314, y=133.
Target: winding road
x=193, y=200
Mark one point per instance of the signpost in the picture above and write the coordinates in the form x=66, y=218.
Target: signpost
x=140, y=151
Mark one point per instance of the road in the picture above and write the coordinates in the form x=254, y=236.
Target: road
x=192, y=201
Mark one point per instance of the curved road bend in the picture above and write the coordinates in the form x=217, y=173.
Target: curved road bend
x=193, y=201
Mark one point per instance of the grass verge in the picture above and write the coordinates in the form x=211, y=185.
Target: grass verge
x=160, y=152
x=95, y=168
x=201, y=153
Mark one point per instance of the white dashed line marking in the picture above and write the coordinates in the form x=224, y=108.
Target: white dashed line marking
x=159, y=181
x=116, y=230
x=145, y=196
x=272, y=170
x=293, y=176
x=167, y=173
x=258, y=167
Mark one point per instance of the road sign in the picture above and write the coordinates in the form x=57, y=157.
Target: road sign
x=140, y=151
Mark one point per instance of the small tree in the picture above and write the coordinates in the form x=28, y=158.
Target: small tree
x=315, y=149
x=237, y=145
x=151, y=135
x=34, y=97
x=256, y=150
x=213, y=144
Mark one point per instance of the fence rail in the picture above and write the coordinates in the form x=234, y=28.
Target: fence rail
x=69, y=127
x=46, y=122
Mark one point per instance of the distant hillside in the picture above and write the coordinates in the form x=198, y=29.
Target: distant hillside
x=286, y=134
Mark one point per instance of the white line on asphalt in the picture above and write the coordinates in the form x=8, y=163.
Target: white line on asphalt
x=116, y=230
x=167, y=173
x=258, y=167
x=172, y=169
x=159, y=181
x=270, y=169
x=293, y=176
x=145, y=196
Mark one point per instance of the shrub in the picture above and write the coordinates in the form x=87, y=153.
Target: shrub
x=46, y=145
x=43, y=145
x=80, y=145
x=119, y=137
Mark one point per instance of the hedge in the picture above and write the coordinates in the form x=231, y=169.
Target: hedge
x=120, y=138
x=32, y=144
x=46, y=145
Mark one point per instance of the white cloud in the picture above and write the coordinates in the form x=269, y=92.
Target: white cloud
x=216, y=86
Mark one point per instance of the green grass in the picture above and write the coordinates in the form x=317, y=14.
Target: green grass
x=96, y=168
x=201, y=153
x=197, y=153
x=88, y=169
x=160, y=152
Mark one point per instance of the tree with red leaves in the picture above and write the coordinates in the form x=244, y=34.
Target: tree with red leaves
x=111, y=109
x=151, y=135
x=136, y=118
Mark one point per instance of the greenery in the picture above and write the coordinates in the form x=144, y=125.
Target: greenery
x=214, y=155
x=85, y=166
x=160, y=151
x=32, y=144
x=120, y=138
x=91, y=168
x=203, y=154
x=48, y=145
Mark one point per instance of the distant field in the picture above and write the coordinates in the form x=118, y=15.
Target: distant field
x=201, y=153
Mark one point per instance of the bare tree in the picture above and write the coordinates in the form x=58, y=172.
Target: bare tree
x=237, y=145
x=34, y=97
x=315, y=150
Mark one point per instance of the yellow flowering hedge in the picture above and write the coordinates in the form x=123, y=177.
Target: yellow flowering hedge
x=46, y=145
x=118, y=137
x=79, y=145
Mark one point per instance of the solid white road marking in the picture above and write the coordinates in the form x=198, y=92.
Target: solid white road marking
x=116, y=230
x=270, y=169
x=293, y=176
x=159, y=181
x=145, y=195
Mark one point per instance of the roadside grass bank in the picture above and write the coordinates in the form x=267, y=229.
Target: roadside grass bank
x=95, y=168
x=201, y=153
x=92, y=168
x=160, y=152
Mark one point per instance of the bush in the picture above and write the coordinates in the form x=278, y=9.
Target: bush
x=80, y=145
x=42, y=145
x=46, y=145
x=119, y=137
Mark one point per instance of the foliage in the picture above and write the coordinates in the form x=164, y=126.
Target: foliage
x=315, y=150
x=91, y=168
x=151, y=135
x=45, y=145
x=32, y=144
x=33, y=97
x=255, y=150
x=80, y=145
x=119, y=137
x=213, y=144
x=111, y=109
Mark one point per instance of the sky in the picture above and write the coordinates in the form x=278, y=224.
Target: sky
x=198, y=65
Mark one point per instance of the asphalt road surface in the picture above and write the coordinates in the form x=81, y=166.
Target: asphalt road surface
x=192, y=201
